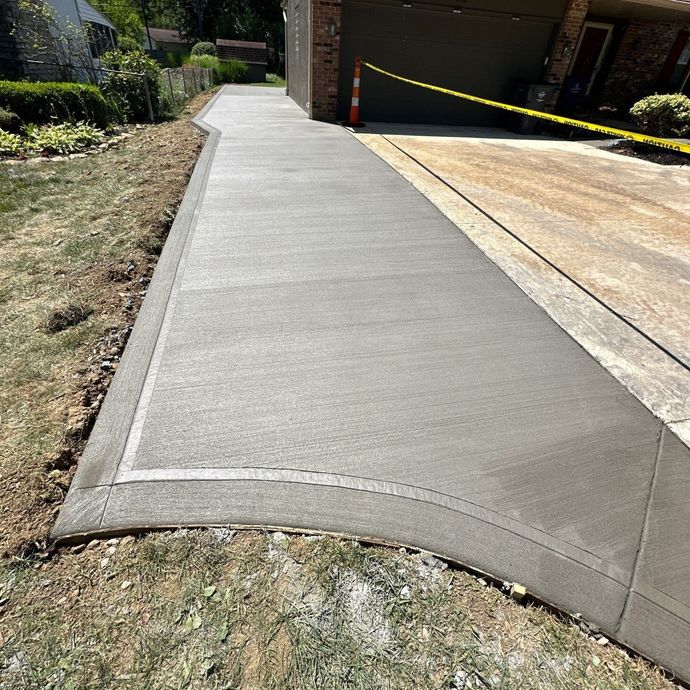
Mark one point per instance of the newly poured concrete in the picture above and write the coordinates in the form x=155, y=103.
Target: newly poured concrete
x=322, y=349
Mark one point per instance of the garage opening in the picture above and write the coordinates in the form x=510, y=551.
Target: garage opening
x=483, y=51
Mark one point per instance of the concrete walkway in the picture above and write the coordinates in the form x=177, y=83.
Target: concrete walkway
x=618, y=227
x=322, y=349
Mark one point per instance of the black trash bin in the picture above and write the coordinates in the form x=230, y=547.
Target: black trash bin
x=534, y=97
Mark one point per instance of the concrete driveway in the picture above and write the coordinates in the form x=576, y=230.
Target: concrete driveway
x=618, y=227
x=321, y=349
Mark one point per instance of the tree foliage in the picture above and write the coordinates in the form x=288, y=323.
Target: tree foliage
x=124, y=14
x=207, y=20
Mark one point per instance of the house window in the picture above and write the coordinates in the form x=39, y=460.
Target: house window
x=675, y=68
x=101, y=38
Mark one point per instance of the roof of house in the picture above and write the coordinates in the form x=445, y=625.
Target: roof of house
x=252, y=52
x=166, y=36
x=87, y=13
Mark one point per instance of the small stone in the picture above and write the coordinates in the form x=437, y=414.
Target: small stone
x=78, y=548
x=405, y=592
x=517, y=591
x=110, y=551
x=126, y=584
x=112, y=542
x=105, y=562
x=280, y=538
x=432, y=561
x=129, y=539
x=93, y=544
x=602, y=641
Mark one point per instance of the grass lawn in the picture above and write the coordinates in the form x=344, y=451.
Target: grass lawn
x=203, y=608
x=279, y=82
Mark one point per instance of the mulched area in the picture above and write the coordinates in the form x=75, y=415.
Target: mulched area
x=649, y=153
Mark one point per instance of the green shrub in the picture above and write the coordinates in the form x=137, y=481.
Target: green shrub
x=173, y=59
x=43, y=102
x=10, y=144
x=663, y=114
x=126, y=92
x=64, y=138
x=9, y=121
x=232, y=71
x=207, y=61
x=204, y=48
x=127, y=44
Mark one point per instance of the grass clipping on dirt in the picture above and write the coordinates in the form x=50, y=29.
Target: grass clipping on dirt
x=205, y=608
x=247, y=610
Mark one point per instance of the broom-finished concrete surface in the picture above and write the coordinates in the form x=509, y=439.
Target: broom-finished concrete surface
x=322, y=349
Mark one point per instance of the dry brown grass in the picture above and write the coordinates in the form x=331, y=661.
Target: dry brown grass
x=255, y=611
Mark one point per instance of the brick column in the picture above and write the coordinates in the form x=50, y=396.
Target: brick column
x=565, y=44
x=325, y=57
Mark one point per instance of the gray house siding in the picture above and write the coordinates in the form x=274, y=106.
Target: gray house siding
x=298, y=51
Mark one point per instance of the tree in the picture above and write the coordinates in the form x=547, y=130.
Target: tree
x=207, y=20
x=124, y=14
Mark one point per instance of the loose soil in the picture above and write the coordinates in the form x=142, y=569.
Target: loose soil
x=80, y=240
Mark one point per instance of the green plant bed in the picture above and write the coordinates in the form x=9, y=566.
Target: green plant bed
x=44, y=102
x=232, y=71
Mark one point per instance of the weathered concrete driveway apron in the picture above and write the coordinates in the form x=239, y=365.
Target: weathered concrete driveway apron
x=322, y=349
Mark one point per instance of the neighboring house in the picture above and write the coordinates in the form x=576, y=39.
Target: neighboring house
x=166, y=41
x=596, y=52
x=253, y=53
x=17, y=59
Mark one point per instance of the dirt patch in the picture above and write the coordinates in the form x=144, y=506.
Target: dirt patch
x=653, y=154
x=80, y=239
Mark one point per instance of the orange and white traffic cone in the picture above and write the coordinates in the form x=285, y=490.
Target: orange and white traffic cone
x=354, y=108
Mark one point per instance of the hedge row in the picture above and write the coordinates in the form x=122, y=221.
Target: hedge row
x=44, y=102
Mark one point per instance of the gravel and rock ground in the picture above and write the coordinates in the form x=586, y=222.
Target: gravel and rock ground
x=204, y=608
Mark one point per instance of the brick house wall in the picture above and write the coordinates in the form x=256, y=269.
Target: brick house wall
x=638, y=61
x=565, y=44
x=325, y=58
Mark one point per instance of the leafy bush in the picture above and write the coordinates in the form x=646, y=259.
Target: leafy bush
x=127, y=44
x=204, y=48
x=10, y=144
x=64, y=138
x=44, y=102
x=663, y=114
x=173, y=59
x=126, y=92
x=207, y=61
x=232, y=71
x=9, y=121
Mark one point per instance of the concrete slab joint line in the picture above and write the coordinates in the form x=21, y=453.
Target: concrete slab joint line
x=322, y=349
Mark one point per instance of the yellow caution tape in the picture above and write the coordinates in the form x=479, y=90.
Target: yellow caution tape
x=621, y=133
